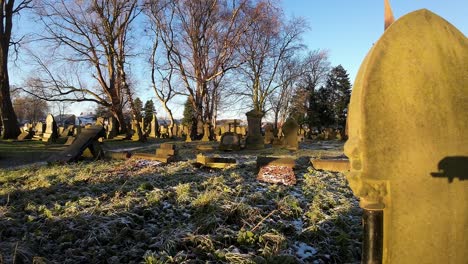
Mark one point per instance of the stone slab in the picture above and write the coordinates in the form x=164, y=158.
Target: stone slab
x=70, y=140
x=85, y=139
x=167, y=146
x=215, y=162
x=205, y=147
x=165, y=152
x=148, y=156
x=336, y=165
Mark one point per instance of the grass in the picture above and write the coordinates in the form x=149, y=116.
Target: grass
x=132, y=211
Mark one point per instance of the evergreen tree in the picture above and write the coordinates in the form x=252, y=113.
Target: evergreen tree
x=138, y=107
x=298, y=107
x=338, y=93
x=188, y=113
x=149, y=110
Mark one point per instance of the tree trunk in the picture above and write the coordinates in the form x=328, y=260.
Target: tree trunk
x=9, y=121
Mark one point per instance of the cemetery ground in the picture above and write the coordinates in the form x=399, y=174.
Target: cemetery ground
x=139, y=211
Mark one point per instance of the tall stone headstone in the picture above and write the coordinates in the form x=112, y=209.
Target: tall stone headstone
x=408, y=141
x=50, y=134
x=254, y=138
x=268, y=134
x=188, y=137
x=290, y=129
x=39, y=129
x=206, y=132
x=154, y=127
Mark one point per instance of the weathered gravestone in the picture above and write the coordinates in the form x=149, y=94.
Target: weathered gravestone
x=154, y=127
x=290, y=128
x=165, y=153
x=188, y=134
x=67, y=131
x=408, y=143
x=26, y=134
x=215, y=162
x=38, y=131
x=206, y=133
x=269, y=136
x=50, y=134
x=230, y=141
x=87, y=139
x=254, y=138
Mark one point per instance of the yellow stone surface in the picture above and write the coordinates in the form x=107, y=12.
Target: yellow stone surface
x=408, y=112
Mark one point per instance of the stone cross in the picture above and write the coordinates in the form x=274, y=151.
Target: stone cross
x=408, y=143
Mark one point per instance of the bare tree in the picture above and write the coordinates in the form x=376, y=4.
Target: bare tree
x=30, y=108
x=91, y=34
x=315, y=70
x=289, y=72
x=163, y=73
x=200, y=38
x=8, y=117
x=267, y=43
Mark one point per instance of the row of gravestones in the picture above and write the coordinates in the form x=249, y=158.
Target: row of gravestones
x=48, y=131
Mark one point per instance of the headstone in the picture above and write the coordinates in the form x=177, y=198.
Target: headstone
x=175, y=130
x=218, y=133
x=165, y=153
x=163, y=131
x=135, y=135
x=254, y=139
x=70, y=140
x=67, y=131
x=180, y=131
x=39, y=129
x=200, y=129
x=269, y=134
x=88, y=139
x=230, y=141
x=330, y=164
x=111, y=130
x=154, y=127
x=290, y=128
x=25, y=135
x=408, y=141
x=206, y=133
x=77, y=131
x=188, y=137
x=50, y=134
x=215, y=162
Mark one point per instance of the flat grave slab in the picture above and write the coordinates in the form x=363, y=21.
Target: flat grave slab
x=215, y=162
x=331, y=164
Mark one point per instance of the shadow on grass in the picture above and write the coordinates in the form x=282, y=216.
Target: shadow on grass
x=119, y=213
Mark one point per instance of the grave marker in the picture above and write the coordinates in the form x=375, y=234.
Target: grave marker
x=407, y=117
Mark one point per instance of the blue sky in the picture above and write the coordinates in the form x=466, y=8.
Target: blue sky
x=349, y=28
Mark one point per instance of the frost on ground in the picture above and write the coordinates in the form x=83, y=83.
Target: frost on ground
x=138, y=211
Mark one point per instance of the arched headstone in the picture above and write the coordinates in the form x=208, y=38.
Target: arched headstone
x=408, y=141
